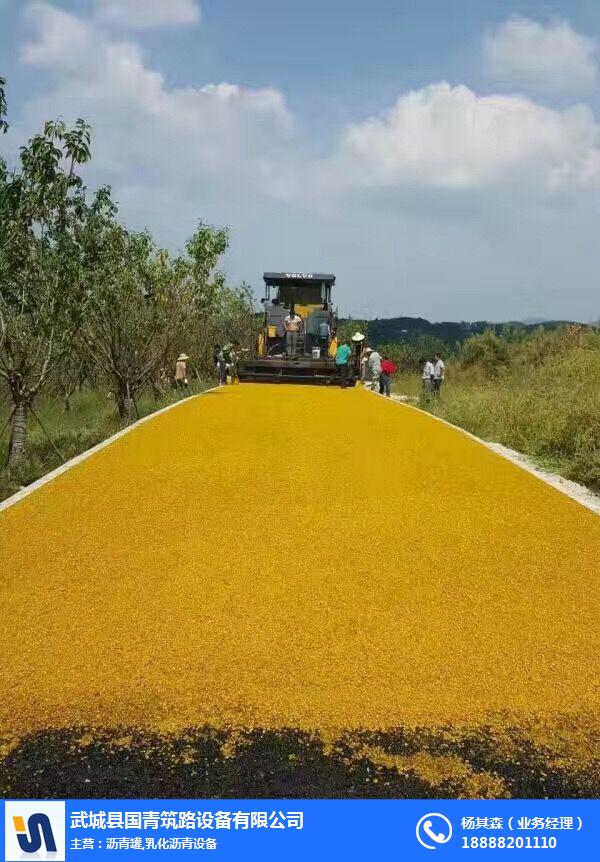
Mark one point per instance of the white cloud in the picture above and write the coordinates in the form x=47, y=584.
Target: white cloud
x=67, y=45
x=140, y=125
x=450, y=138
x=453, y=204
x=148, y=13
x=547, y=58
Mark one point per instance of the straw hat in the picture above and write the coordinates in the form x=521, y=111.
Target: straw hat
x=368, y=350
x=358, y=336
x=182, y=357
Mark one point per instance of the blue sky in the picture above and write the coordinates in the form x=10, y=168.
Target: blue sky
x=443, y=158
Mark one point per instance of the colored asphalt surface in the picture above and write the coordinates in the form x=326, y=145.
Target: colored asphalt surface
x=296, y=556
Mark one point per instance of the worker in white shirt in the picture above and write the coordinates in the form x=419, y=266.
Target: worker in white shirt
x=374, y=369
x=293, y=325
x=427, y=376
x=439, y=370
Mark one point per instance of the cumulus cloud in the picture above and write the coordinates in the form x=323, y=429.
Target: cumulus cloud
x=144, y=14
x=141, y=126
x=67, y=44
x=546, y=57
x=454, y=204
x=450, y=138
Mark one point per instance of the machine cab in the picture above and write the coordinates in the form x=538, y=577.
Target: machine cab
x=309, y=294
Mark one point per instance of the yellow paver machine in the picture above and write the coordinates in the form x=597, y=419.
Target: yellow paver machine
x=308, y=355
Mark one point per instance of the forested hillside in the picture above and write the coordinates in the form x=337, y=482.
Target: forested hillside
x=387, y=330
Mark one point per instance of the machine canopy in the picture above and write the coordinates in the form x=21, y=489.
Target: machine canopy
x=299, y=288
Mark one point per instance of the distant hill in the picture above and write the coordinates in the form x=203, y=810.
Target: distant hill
x=387, y=330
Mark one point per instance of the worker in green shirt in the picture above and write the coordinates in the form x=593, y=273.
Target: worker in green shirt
x=342, y=360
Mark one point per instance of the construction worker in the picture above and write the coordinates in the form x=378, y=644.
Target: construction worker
x=293, y=325
x=388, y=369
x=222, y=367
x=181, y=373
x=324, y=333
x=374, y=369
x=358, y=342
x=426, y=377
x=439, y=372
x=342, y=361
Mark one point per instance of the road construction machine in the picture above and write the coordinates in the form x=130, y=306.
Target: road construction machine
x=309, y=357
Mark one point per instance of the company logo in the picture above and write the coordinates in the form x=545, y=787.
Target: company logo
x=38, y=829
x=433, y=830
x=35, y=829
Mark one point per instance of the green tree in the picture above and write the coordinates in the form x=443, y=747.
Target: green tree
x=233, y=319
x=407, y=355
x=347, y=328
x=143, y=302
x=42, y=292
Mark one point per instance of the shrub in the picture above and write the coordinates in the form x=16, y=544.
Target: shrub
x=407, y=354
x=539, y=395
x=488, y=350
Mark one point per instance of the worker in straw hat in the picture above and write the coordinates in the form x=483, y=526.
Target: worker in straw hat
x=181, y=372
x=358, y=343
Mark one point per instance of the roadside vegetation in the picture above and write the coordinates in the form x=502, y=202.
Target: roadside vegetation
x=93, y=314
x=538, y=394
x=58, y=434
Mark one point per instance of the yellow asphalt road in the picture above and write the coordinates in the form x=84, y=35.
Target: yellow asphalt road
x=280, y=555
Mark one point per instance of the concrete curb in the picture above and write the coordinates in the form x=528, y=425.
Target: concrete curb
x=39, y=483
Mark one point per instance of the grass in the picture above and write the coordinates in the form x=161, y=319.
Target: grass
x=545, y=404
x=92, y=418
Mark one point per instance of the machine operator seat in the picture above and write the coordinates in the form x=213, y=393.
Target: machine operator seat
x=276, y=315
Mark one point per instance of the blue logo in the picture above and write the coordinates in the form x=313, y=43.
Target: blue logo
x=38, y=828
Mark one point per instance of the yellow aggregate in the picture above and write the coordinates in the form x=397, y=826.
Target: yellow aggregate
x=281, y=555
x=438, y=770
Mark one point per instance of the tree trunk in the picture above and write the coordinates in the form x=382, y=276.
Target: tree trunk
x=18, y=434
x=125, y=404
